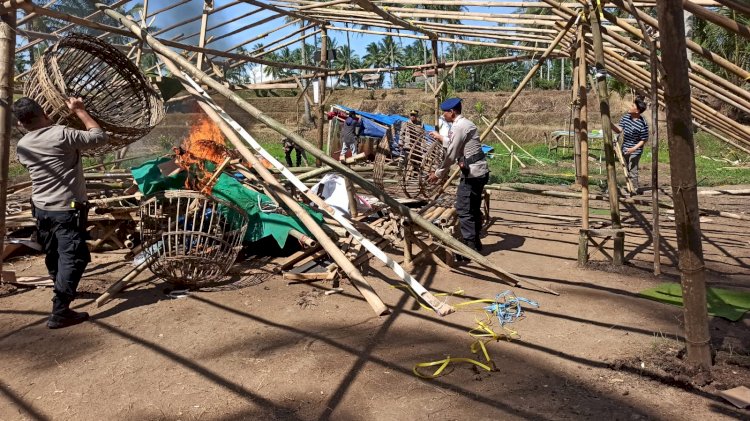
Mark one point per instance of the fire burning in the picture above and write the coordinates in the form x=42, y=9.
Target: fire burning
x=204, y=143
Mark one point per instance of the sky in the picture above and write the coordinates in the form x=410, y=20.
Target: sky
x=193, y=8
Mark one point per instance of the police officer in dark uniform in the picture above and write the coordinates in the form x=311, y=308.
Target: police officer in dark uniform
x=52, y=155
x=465, y=150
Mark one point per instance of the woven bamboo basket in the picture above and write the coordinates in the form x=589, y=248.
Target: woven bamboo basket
x=114, y=91
x=194, y=238
x=423, y=157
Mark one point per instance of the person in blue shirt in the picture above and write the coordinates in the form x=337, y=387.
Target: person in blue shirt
x=634, y=130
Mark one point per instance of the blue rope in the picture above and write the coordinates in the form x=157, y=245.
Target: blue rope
x=507, y=307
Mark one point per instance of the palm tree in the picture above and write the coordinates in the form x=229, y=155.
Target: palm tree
x=347, y=59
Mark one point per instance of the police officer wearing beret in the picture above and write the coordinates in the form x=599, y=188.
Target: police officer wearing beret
x=464, y=149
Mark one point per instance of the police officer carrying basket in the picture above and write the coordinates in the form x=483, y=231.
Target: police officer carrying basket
x=464, y=149
x=52, y=155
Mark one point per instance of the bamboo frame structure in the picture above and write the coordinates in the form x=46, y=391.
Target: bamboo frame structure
x=550, y=33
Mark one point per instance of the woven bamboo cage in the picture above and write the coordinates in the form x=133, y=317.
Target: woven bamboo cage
x=195, y=238
x=422, y=158
x=114, y=91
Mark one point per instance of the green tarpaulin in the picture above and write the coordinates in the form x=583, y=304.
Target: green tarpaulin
x=260, y=224
x=731, y=305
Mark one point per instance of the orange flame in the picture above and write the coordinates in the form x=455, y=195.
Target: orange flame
x=204, y=143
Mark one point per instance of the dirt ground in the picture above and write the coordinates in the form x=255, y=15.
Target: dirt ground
x=263, y=349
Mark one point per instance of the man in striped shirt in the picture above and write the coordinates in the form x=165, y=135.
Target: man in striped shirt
x=634, y=131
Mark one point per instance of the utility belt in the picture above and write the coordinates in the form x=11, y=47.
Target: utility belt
x=465, y=161
x=81, y=210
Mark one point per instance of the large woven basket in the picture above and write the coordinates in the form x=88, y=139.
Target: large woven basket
x=422, y=158
x=194, y=238
x=115, y=92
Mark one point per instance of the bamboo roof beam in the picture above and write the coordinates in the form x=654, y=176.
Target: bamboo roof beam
x=490, y=27
x=636, y=77
x=442, y=39
x=736, y=90
x=717, y=19
x=248, y=26
x=288, y=43
x=65, y=28
x=195, y=18
x=284, y=37
x=168, y=7
x=263, y=35
x=273, y=8
x=736, y=5
x=95, y=25
x=696, y=48
x=220, y=25
x=370, y=7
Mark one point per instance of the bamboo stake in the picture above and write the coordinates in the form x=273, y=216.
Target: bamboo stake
x=505, y=145
x=7, y=58
x=361, y=181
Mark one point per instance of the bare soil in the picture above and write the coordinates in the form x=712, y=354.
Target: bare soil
x=259, y=348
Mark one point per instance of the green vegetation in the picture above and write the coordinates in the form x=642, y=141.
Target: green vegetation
x=716, y=164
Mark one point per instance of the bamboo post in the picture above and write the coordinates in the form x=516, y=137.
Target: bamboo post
x=395, y=206
x=682, y=165
x=576, y=105
x=434, y=43
x=528, y=77
x=202, y=35
x=583, y=139
x=655, y=68
x=7, y=59
x=322, y=87
x=601, y=82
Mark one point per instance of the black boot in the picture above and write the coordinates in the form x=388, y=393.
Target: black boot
x=62, y=316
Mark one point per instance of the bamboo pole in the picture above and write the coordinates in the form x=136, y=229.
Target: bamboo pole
x=583, y=134
x=601, y=81
x=576, y=104
x=299, y=140
x=694, y=47
x=655, y=68
x=94, y=25
x=124, y=281
x=736, y=5
x=370, y=7
x=7, y=60
x=682, y=165
x=528, y=77
x=202, y=34
x=322, y=87
x=716, y=19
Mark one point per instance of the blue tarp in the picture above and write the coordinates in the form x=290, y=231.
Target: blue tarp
x=374, y=130
x=386, y=119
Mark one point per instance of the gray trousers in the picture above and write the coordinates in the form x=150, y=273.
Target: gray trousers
x=631, y=161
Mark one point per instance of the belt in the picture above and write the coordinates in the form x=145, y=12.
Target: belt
x=474, y=158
